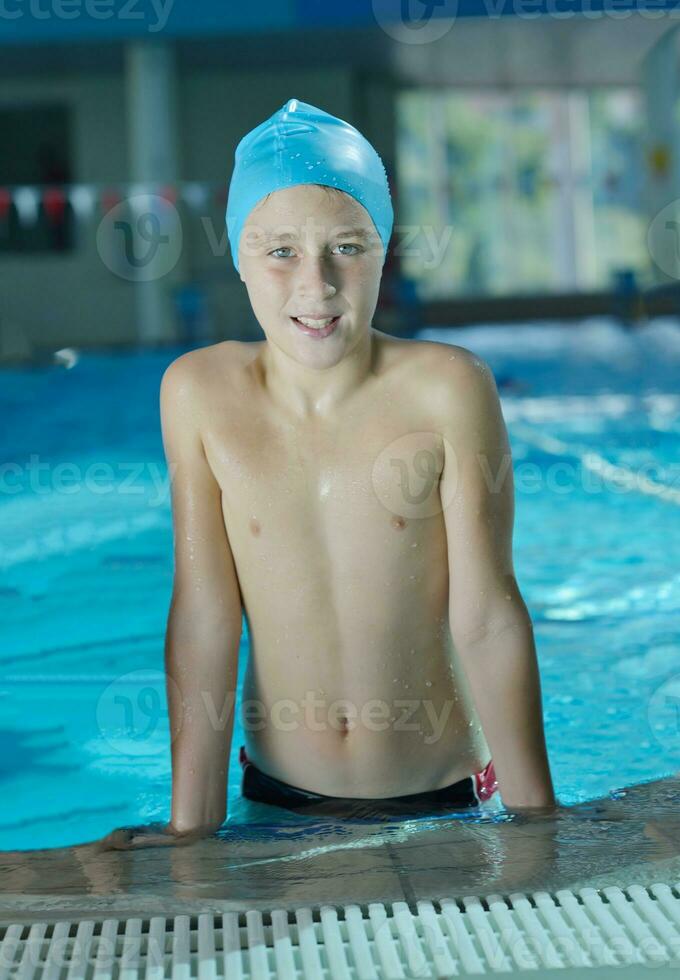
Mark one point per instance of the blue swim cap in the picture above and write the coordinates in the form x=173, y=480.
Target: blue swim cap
x=301, y=144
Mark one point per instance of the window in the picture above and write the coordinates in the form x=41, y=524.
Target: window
x=35, y=153
x=519, y=192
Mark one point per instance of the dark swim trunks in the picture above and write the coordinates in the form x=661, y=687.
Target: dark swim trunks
x=468, y=792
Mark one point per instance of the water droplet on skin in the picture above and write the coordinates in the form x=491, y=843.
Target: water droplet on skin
x=394, y=681
x=415, y=544
x=428, y=683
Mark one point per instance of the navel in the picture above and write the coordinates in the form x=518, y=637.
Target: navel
x=398, y=522
x=254, y=526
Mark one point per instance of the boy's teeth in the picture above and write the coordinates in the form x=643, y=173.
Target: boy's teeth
x=315, y=323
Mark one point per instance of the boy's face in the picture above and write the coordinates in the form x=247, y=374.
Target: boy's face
x=307, y=251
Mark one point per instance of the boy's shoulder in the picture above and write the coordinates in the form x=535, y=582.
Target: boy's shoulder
x=417, y=353
x=452, y=358
x=199, y=379
x=447, y=366
x=453, y=383
x=202, y=362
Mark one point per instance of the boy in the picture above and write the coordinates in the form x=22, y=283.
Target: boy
x=353, y=494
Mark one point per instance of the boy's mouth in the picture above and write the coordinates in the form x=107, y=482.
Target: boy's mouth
x=315, y=327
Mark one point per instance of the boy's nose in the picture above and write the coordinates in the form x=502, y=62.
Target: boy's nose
x=314, y=278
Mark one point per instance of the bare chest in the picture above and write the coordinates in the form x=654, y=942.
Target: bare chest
x=338, y=524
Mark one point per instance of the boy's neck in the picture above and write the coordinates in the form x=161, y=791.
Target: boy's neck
x=307, y=391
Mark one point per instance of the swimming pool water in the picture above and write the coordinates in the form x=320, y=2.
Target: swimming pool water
x=593, y=413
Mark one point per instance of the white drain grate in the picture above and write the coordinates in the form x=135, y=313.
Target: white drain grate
x=447, y=938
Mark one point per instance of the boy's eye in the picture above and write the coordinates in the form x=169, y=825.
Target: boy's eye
x=348, y=245
x=286, y=248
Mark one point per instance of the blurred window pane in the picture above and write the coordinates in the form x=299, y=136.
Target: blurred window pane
x=520, y=191
x=35, y=152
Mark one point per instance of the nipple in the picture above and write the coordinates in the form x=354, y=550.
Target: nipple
x=344, y=725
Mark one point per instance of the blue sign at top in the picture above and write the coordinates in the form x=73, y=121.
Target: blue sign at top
x=65, y=20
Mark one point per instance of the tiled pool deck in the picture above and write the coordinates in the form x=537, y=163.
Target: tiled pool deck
x=634, y=839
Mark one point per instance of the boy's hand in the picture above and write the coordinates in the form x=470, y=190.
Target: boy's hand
x=149, y=835
x=549, y=810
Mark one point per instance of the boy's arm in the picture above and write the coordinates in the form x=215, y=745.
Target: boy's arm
x=204, y=624
x=203, y=628
x=490, y=624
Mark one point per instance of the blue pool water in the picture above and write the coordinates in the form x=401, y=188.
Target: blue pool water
x=593, y=414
